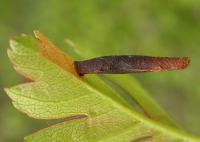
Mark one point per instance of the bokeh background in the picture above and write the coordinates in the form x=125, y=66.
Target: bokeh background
x=159, y=28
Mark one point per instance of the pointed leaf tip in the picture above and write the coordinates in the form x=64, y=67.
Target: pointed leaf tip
x=49, y=50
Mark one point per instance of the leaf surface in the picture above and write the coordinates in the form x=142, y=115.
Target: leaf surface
x=89, y=114
x=130, y=87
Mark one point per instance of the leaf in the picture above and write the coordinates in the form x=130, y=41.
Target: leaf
x=89, y=114
x=143, y=99
x=130, y=88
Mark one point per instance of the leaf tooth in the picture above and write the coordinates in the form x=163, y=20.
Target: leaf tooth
x=10, y=53
x=12, y=43
x=11, y=92
x=54, y=55
x=23, y=43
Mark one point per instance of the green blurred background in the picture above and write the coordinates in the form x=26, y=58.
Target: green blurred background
x=159, y=28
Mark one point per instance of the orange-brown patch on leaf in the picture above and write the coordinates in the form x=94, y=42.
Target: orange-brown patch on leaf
x=49, y=51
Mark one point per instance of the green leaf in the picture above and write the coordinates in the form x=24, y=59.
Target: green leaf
x=128, y=85
x=88, y=113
